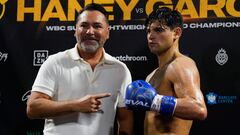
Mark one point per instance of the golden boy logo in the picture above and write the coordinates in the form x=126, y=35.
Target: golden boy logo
x=2, y=8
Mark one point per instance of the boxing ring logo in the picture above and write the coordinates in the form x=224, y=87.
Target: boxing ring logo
x=39, y=57
x=3, y=7
x=221, y=57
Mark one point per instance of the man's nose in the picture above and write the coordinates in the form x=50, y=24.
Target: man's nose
x=151, y=35
x=90, y=30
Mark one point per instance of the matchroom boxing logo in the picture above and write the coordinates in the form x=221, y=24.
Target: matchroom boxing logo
x=2, y=7
x=131, y=58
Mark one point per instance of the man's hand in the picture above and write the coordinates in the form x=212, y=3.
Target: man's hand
x=90, y=103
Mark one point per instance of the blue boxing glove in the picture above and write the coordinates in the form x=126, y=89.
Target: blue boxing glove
x=140, y=95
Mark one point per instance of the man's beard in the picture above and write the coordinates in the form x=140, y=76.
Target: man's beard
x=90, y=48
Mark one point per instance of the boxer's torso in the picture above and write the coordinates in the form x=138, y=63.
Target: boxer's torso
x=155, y=124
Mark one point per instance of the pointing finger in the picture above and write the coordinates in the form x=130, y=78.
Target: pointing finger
x=102, y=95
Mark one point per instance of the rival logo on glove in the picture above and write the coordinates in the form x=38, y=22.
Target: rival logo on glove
x=136, y=103
x=139, y=95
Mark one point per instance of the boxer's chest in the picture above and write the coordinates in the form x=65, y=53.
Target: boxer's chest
x=161, y=83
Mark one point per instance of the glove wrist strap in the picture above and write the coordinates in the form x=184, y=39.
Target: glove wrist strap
x=165, y=105
x=156, y=104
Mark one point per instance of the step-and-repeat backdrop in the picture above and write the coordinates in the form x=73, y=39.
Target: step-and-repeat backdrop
x=31, y=30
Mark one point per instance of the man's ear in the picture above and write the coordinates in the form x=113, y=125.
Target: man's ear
x=75, y=35
x=108, y=32
x=177, y=32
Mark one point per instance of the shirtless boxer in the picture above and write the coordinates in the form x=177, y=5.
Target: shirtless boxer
x=172, y=98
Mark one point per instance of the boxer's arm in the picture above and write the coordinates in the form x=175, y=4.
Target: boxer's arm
x=185, y=78
x=125, y=121
x=40, y=105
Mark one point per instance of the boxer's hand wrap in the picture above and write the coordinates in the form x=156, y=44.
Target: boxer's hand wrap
x=140, y=95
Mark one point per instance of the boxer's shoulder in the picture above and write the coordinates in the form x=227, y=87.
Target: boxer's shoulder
x=181, y=67
x=181, y=63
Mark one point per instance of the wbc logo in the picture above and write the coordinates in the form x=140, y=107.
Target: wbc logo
x=221, y=57
x=2, y=8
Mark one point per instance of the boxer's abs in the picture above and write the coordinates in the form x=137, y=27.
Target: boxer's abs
x=155, y=124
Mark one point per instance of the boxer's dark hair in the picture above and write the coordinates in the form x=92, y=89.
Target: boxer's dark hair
x=166, y=16
x=94, y=7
